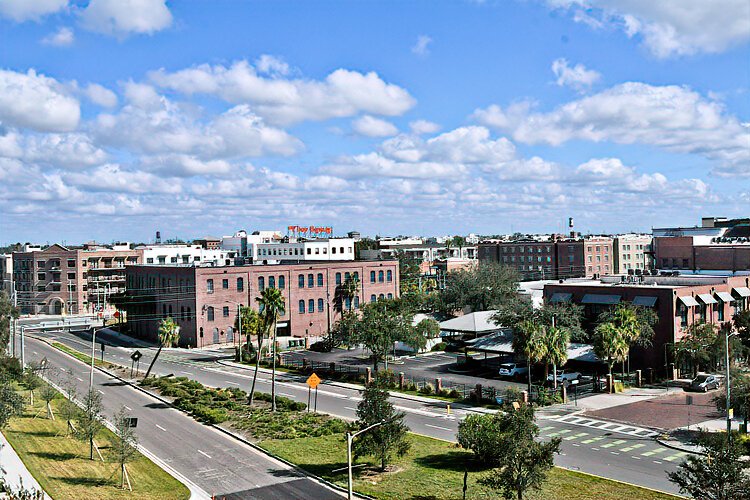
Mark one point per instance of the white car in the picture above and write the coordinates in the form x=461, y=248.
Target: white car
x=563, y=375
x=513, y=370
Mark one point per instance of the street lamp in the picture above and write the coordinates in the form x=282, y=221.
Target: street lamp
x=93, y=355
x=349, y=438
x=726, y=340
x=239, y=322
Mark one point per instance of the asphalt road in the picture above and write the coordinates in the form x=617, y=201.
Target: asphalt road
x=215, y=462
x=589, y=446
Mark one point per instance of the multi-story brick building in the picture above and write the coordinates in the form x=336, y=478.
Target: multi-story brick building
x=204, y=300
x=632, y=253
x=678, y=302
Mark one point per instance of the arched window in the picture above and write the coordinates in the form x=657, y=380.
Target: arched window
x=348, y=303
x=240, y=284
x=311, y=305
x=310, y=280
x=302, y=307
x=381, y=296
x=356, y=302
x=320, y=279
x=389, y=276
x=271, y=282
x=373, y=298
x=301, y=279
x=338, y=278
x=380, y=276
x=320, y=305
x=372, y=276
x=356, y=276
x=261, y=284
x=210, y=314
x=282, y=282
x=390, y=295
x=347, y=276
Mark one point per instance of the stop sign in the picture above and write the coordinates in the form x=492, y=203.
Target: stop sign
x=117, y=314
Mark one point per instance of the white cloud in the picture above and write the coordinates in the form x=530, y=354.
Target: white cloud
x=669, y=27
x=420, y=127
x=576, y=77
x=35, y=101
x=125, y=17
x=373, y=127
x=271, y=65
x=113, y=178
x=281, y=101
x=30, y=10
x=421, y=47
x=64, y=37
x=101, y=95
x=674, y=118
x=65, y=150
x=181, y=165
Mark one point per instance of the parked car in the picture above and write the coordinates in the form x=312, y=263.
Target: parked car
x=704, y=383
x=513, y=370
x=564, y=375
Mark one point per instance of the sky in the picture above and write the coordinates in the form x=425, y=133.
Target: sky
x=119, y=118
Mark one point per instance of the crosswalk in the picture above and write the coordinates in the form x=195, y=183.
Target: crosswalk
x=629, y=430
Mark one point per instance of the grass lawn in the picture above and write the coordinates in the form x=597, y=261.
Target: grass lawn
x=62, y=467
x=79, y=355
x=434, y=469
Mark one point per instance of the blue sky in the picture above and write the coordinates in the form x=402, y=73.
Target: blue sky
x=122, y=117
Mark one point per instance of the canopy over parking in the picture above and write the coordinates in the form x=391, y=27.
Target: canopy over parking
x=472, y=325
x=502, y=343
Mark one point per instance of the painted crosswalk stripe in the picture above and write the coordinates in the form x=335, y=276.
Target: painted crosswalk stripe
x=576, y=436
x=616, y=442
x=563, y=431
x=676, y=456
x=545, y=429
x=633, y=447
x=653, y=452
x=593, y=440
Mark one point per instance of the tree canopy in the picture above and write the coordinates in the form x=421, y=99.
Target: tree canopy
x=479, y=288
x=699, y=345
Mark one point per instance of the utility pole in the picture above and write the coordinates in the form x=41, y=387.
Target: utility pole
x=23, y=354
x=729, y=404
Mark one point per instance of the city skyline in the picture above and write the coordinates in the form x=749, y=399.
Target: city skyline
x=486, y=117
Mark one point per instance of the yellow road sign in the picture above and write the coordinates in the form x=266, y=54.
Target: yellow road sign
x=313, y=381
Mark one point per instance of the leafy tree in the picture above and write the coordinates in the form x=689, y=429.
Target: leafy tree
x=719, y=474
x=125, y=446
x=11, y=404
x=528, y=339
x=698, y=346
x=68, y=410
x=48, y=394
x=555, y=340
x=524, y=461
x=346, y=293
x=169, y=334
x=343, y=330
x=271, y=303
x=739, y=395
x=741, y=322
x=459, y=242
x=635, y=323
x=483, y=435
x=409, y=272
x=387, y=440
x=364, y=244
x=479, y=288
x=7, y=312
x=31, y=380
x=252, y=325
x=90, y=420
x=428, y=328
x=255, y=323
x=610, y=344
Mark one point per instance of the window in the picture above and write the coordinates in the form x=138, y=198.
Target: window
x=390, y=295
x=348, y=303
x=301, y=280
x=373, y=298
x=381, y=296
x=719, y=310
x=309, y=251
x=320, y=279
x=240, y=284
x=210, y=286
x=311, y=305
x=40, y=264
x=320, y=305
x=685, y=263
x=225, y=284
x=356, y=276
x=372, y=276
x=71, y=276
x=338, y=278
x=302, y=307
x=225, y=311
x=271, y=282
x=210, y=314
x=71, y=263
x=333, y=250
x=342, y=250
x=41, y=276
x=149, y=260
x=317, y=251
x=261, y=284
x=282, y=283
x=173, y=260
x=310, y=280
x=389, y=276
x=356, y=302
x=380, y=276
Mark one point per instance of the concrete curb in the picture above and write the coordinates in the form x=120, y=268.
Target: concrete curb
x=678, y=446
x=222, y=430
x=10, y=453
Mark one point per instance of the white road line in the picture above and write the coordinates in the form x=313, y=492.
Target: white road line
x=35, y=352
x=229, y=382
x=128, y=408
x=438, y=427
x=286, y=394
x=100, y=391
x=204, y=454
x=350, y=408
x=656, y=461
x=79, y=379
x=186, y=373
x=165, y=430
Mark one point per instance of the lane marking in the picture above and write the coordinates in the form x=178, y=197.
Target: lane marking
x=633, y=447
x=186, y=373
x=100, y=391
x=438, y=427
x=576, y=436
x=545, y=429
x=593, y=440
x=79, y=379
x=233, y=383
x=160, y=427
x=616, y=442
x=204, y=454
x=653, y=452
x=127, y=408
x=657, y=462
x=350, y=408
x=676, y=456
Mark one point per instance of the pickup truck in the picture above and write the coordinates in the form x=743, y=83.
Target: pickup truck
x=563, y=375
x=513, y=370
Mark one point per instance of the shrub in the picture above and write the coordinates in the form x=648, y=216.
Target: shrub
x=210, y=415
x=411, y=386
x=387, y=379
x=482, y=435
x=322, y=346
x=440, y=346
x=427, y=389
x=444, y=393
x=453, y=393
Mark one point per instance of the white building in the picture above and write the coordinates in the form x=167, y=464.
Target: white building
x=185, y=254
x=246, y=245
x=323, y=249
x=632, y=252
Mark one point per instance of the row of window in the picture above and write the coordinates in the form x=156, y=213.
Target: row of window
x=718, y=309
x=598, y=258
x=685, y=263
x=547, y=249
x=590, y=248
x=528, y=259
x=286, y=251
x=312, y=280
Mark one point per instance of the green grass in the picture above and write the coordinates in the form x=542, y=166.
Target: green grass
x=61, y=466
x=434, y=469
x=79, y=355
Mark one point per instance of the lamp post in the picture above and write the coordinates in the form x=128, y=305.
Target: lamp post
x=726, y=345
x=349, y=438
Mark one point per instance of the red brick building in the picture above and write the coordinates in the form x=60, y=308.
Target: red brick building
x=204, y=300
x=677, y=301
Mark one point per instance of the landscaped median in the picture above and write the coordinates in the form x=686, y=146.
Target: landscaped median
x=62, y=467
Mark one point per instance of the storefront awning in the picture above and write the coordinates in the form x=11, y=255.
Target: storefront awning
x=742, y=291
x=642, y=300
x=560, y=297
x=688, y=300
x=725, y=297
x=707, y=298
x=595, y=298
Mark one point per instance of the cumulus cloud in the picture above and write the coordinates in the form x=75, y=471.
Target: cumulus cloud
x=30, y=10
x=100, y=95
x=421, y=47
x=281, y=101
x=113, y=178
x=669, y=27
x=64, y=37
x=373, y=127
x=576, y=77
x=125, y=17
x=420, y=127
x=271, y=65
x=675, y=118
x=36, y=101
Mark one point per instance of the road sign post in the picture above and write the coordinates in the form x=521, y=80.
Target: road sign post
x=312, y=383
x=135, y=359
x=102, y=344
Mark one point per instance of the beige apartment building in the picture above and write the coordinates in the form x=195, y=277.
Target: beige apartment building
x=633, y=253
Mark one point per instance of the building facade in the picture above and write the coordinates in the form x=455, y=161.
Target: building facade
x=633, y=253
x=204, y=300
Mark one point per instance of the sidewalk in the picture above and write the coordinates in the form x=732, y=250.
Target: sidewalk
x=16, y=473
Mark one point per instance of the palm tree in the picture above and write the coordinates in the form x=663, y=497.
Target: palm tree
x=460, y=242
x=611, y=344
x=253, y=323
x=272, y=306
x=556, y=342
x=528, y=338
x=169, y=334
x=349, y=290
x=448, y=245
